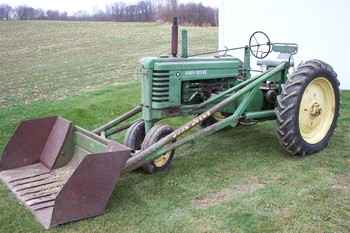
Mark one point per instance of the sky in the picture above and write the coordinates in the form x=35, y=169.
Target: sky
x=72, y=6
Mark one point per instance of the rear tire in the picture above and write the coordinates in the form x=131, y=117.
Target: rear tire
x=153, y=136
x=308, y=109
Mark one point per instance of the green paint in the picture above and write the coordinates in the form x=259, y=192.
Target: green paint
x=229, y=121
x=184, y=47
x=88, y=143
x=247, y=62
x=249, y=92
x=288, y=48
x=172, y=83
x=270, y=115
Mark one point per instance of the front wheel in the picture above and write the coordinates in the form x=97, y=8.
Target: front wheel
x=308, y=108
x=163, y=163
x=135, y=135
x=215, y=118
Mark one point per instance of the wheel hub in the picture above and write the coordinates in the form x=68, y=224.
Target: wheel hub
x=161, y=161
x=316, y=110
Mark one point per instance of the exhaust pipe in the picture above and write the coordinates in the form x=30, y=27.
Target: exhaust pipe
x=175, y=38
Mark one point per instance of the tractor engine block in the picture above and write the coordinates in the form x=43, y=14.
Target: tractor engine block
x=198, y=91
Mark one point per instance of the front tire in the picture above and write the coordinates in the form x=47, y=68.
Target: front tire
x=308, y=108
x=163, y=163
x=135, y=135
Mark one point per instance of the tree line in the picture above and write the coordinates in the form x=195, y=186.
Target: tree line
x=143, y=11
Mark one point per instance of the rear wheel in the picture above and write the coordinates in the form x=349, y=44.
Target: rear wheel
x=308, y=108
x=163, y=163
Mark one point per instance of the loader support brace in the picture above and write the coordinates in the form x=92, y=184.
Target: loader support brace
x=229, y=121
x=119, y=120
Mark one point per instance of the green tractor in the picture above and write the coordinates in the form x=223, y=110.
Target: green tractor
x=63, y=173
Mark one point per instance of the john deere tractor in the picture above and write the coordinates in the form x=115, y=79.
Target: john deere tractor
x=64, y=173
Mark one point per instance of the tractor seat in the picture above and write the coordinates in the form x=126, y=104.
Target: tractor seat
x=282, y=57
x=285, y=53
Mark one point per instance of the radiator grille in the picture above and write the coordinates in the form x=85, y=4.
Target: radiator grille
x=160, y=86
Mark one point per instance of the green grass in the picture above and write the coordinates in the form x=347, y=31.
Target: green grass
x=238, y=180
x=50, y=60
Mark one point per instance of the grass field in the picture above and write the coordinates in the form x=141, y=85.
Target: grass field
x=50, y=60
x=238, y=180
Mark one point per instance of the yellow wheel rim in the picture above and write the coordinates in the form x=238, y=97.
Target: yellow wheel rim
x=162, y=161
x=317, y=110
x=219, y=116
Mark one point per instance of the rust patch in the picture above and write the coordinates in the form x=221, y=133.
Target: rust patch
x=228, y=194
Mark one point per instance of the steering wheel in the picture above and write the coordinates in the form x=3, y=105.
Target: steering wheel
x=260, y=45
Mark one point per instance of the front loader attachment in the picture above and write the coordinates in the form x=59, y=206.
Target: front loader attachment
x=61, y=173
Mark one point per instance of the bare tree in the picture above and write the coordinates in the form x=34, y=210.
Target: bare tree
x=118, y=11
x=25, y=12
x=168, y=10
x=5, y=11
x=142, y=11
x=39, y=14
x=53, y=15
x=197, y=14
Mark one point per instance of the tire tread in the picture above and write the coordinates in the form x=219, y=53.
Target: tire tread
x=288, y=107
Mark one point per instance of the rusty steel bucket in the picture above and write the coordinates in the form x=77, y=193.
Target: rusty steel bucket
x=60, y=172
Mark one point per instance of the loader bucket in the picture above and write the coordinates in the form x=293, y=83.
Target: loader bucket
x=61, y=173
